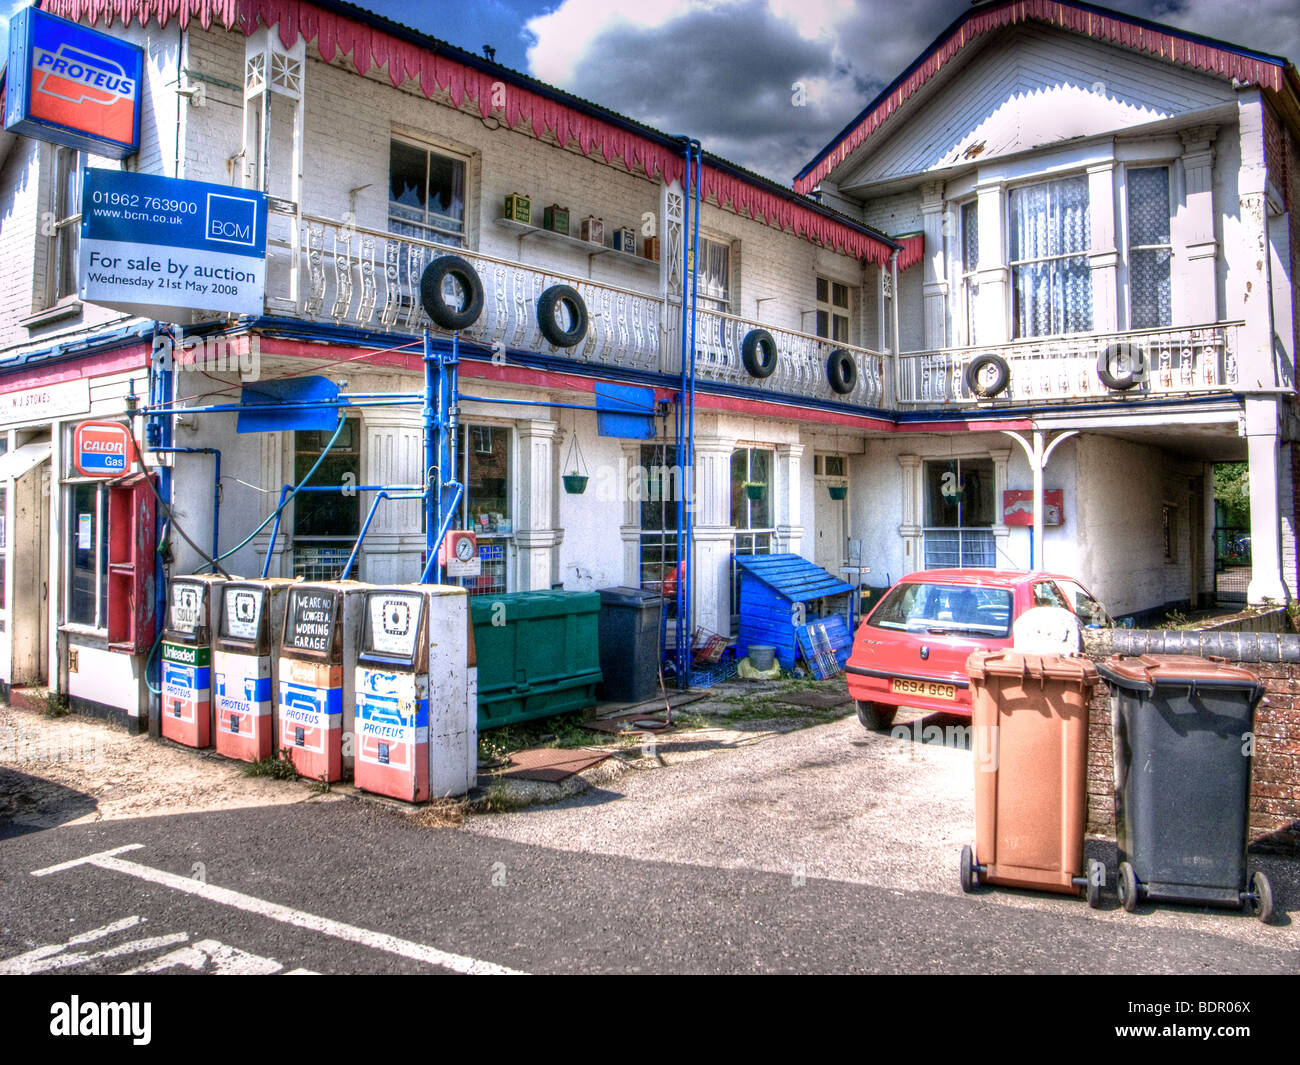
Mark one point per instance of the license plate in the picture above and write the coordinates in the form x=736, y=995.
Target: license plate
x=930, y=689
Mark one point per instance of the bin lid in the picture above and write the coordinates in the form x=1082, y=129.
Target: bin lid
x=538, y=604
x=625, y=596
x=1068, y=668
x=1145, y=673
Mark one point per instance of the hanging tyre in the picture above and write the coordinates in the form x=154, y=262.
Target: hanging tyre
x=841, y=372
x=568, y=297
x=433, y=296
x=1117, y=356
x=988, y=375
x=758, y=352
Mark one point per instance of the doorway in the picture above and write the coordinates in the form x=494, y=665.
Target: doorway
x=30, y=617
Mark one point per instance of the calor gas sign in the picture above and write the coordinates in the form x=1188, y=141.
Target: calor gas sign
x=71, y=85
x=102, y=449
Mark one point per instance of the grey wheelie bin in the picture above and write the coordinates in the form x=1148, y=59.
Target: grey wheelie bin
x=629, y=643
x=1183, y=730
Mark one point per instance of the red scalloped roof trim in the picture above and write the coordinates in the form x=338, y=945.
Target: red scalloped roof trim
x=913, y=249
x=337, y=35
x=1170, y=47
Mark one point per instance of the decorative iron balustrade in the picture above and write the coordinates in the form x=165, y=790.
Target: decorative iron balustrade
x=1175, y=361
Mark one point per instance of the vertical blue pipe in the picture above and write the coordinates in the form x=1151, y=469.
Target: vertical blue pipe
x=432, y=490
x=160, y=394
x=689, y=479
x=682, y=630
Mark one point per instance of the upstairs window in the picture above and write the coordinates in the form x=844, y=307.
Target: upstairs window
x=1050, y=276
x=713, y=291
x=970, y=260
x=426, y=194
x=832, y=310
x=1149, y=247
x=63, y=233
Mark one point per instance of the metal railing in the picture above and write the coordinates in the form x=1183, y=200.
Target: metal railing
x=1177, y=360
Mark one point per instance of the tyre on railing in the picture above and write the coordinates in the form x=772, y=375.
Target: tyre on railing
x=433, y=296
x=841, y=372
x=980, y=382
x=1122, y=352
x=758, y=352
x=568, y=297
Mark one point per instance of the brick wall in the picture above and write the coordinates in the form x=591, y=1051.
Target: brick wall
x=1275, y=771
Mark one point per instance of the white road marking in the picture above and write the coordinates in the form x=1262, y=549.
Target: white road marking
x=284, y=914
x=213, y=958
x=45, y=959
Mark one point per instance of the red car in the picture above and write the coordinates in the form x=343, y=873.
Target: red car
x=912, y=648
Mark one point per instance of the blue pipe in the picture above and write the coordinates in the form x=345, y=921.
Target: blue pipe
x=432, y=487
x=689, y=477
x=356, y=548
x=275, y=531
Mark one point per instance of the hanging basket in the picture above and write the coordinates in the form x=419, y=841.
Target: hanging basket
x=575, y=483
x=838, y=491
x=755, y=491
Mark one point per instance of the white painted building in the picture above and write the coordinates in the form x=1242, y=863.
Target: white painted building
x=382, y=149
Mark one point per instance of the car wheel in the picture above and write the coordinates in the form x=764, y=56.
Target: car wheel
x=875, y=717
x=1263, y=897
x=1128, y=887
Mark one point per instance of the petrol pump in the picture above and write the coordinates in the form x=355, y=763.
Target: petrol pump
x=318, y=657
x=245, y=661
x=416, y=712
x=186, y=711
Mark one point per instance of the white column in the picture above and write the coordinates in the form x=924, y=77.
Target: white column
x=911, y=529
x=632, y=487
x=789, y=529
x=1250, y=274
x=713, y=535
x=991, y=318
x=1103, y=259
x=1265, y=539
x=1195, y=300
x=934, y=282
x=537, y=540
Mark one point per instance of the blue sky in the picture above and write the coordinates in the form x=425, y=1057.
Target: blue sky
x=724, y=71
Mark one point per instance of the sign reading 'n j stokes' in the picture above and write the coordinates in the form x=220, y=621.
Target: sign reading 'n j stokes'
x=71, y=85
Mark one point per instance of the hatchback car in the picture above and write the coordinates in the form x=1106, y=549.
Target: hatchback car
x=911, y=650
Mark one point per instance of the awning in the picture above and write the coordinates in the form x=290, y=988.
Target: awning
x=17, y=462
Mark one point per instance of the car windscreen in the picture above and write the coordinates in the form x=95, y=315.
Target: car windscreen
x=945, y=608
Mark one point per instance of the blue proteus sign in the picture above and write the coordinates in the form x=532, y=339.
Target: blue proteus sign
x=153, y=242
x=71, y=85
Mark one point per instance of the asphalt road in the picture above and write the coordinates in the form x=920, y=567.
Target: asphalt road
x=597, y=884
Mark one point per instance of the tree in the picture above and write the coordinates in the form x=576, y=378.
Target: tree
x=1232, y=493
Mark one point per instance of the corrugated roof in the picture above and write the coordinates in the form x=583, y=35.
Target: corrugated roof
x=793, y=576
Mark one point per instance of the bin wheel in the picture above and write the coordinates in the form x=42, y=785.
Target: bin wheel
x=1128, y=887
x=1096, y=877
x=1263, y=896
x=874, y=717
x=969, y=877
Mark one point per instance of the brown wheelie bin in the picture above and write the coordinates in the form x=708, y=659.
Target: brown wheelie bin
x=1030, y=746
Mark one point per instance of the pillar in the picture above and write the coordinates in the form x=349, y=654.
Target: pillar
x=537, y=540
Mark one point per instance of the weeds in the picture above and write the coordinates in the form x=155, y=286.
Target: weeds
x=55, y=704
x=277, y=766
x=321, y=786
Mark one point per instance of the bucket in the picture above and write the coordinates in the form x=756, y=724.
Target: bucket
x=761, y=656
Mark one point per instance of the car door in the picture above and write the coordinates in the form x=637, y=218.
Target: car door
x=1091, y=614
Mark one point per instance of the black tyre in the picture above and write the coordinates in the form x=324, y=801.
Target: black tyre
x=568, y=297
x=1121, y=382
x=433, y=296
x=988, y=375
x=758, y=352
x=968, y=875
x=841, y=371
x=1128, y=887
x=1096, y=877
x=1263, y=897
x=875, y=717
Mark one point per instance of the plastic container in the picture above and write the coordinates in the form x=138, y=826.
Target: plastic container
x=538, y=654
x=1182, y=728
x=1030, y=748
x=761, y=656
x=629, y=643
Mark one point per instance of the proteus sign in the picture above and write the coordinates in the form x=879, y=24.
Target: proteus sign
x=159, y=247
x=70, y=85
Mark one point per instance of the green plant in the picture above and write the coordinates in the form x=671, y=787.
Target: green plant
x=277, y=766
x=55, y=704
x=321, y=786
x=500, y=799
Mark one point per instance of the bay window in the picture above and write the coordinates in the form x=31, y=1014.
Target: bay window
x=1150, y=248
x=1051, y=280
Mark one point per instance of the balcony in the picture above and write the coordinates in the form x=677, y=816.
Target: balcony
x=366, y=279
x=1179, y=361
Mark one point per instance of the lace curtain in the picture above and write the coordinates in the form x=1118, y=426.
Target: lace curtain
x=1050, y=239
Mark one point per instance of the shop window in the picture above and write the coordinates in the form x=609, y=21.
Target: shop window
x=326, y=524
x=959, y=514
x=1150, y=248
x=833, y=310
x=1050, y=275
x=484, y=452
x=87, y=554
x=751, y=509
x=426, y=193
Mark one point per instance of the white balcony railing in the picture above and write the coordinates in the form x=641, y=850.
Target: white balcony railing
x=370, y=279
x=1181, y=360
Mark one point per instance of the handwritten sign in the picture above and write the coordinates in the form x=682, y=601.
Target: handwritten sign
x=309, y=624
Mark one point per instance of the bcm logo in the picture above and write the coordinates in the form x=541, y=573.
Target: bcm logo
x=231, y=220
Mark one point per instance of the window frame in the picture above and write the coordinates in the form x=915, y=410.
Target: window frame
x=981, y=534
x=834, y=313
x=1123, y=193
x=709, y=300
x=1082, y=254
x=63, y=241
x=314, y=541
x=98, y=625
x=471, y=445
x=429, y=231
